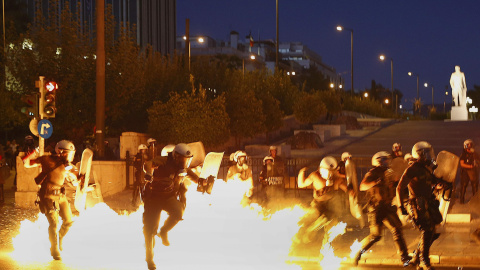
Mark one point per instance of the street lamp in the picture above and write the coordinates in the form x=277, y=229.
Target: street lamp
x=252, y=57
x=414, y=74
x=341, y=28
x=444, y=101
x=365, y=94
x=426, y=85
x=382, y=58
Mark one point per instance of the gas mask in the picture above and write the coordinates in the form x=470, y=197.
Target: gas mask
x=327, y=175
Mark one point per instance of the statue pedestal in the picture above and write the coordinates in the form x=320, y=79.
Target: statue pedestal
x=459, y=113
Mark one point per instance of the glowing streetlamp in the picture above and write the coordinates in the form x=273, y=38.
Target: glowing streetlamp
x=252, y=57
x=426, y=85
x=332, y=85
x=387, y=101
x=414, y=74
x=365, y=94
x=341, y=28
x=382, y=58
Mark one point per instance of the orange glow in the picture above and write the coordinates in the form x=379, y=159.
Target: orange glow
x=242, y=237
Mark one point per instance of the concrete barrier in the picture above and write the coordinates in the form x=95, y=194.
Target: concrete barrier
x=129, y=141
x=335, y=130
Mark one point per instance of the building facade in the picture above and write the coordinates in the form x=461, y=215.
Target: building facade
x=155, y=20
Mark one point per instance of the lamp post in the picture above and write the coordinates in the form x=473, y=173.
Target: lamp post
x=412, y=74
x=426, y=85
x=444, y=101
x=382, y=58
x=340, y=28
x=252, y=57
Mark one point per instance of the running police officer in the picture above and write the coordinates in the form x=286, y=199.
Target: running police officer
x=162, y=190
x=380, y=209
x=324, y=208
x=56, y=170
x=421, y=204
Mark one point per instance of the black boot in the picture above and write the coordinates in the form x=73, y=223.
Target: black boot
x=367, y=244
x=401, y=247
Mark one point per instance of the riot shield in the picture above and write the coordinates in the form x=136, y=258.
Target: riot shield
x=84, y=175
x=351, y=174
x=447, y=165
x=198, y=154
x=398, y=167
x=209, y=172
x=352, y=180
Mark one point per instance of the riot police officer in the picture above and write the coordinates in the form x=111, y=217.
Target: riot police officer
x=241, y=171
x=469, y=165
x=380, y=209
x=324, y=208
x=56, y=170
x=421, y=204
x=164, y=187
x=397, y=150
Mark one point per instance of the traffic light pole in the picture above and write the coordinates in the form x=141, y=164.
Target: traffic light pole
x=41, y=88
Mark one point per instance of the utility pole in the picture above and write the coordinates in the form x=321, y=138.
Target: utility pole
x=100, y=80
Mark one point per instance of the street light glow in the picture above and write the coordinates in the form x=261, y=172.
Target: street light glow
x=425, y=84
x=200, y=39
x=252, y=57
x=409, y=73
x=339, y=28
x=387, y=101
x=340, y=86
x=382, y=57
x=365, y=95
x=184, y=37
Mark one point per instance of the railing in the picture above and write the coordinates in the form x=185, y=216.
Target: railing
x=293, y=165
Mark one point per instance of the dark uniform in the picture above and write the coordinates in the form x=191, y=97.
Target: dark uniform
x=422, y=206
x=272, y=180
x=381, y=212
x=468, y=175
x=53, y=202
x=161, y=194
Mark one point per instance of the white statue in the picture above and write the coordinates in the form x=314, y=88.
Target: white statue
x=459, y=87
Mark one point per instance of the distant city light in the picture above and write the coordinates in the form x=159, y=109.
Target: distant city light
x=200, y=39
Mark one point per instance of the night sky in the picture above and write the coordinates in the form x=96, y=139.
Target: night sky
x=428, y=37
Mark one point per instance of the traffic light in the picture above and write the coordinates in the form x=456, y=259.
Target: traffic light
x=48, y=105
x=31, y=108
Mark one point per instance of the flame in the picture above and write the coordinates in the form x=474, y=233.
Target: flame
x=217, y=231
x=328, y=260
x=355, y=248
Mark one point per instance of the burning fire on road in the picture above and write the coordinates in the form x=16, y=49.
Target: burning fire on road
x=217, y=232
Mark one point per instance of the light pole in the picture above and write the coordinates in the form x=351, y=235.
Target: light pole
x=252, y=57
x=340, y=28
x=382, y=58
x=426, y=85
x=445, y=101
x=412, y=74
x=277, y=39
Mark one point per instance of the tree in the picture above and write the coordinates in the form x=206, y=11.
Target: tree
x=189, y=117
x=247, y=117
x=309, y=108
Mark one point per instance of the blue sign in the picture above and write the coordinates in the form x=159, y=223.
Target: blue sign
x=45, y=128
